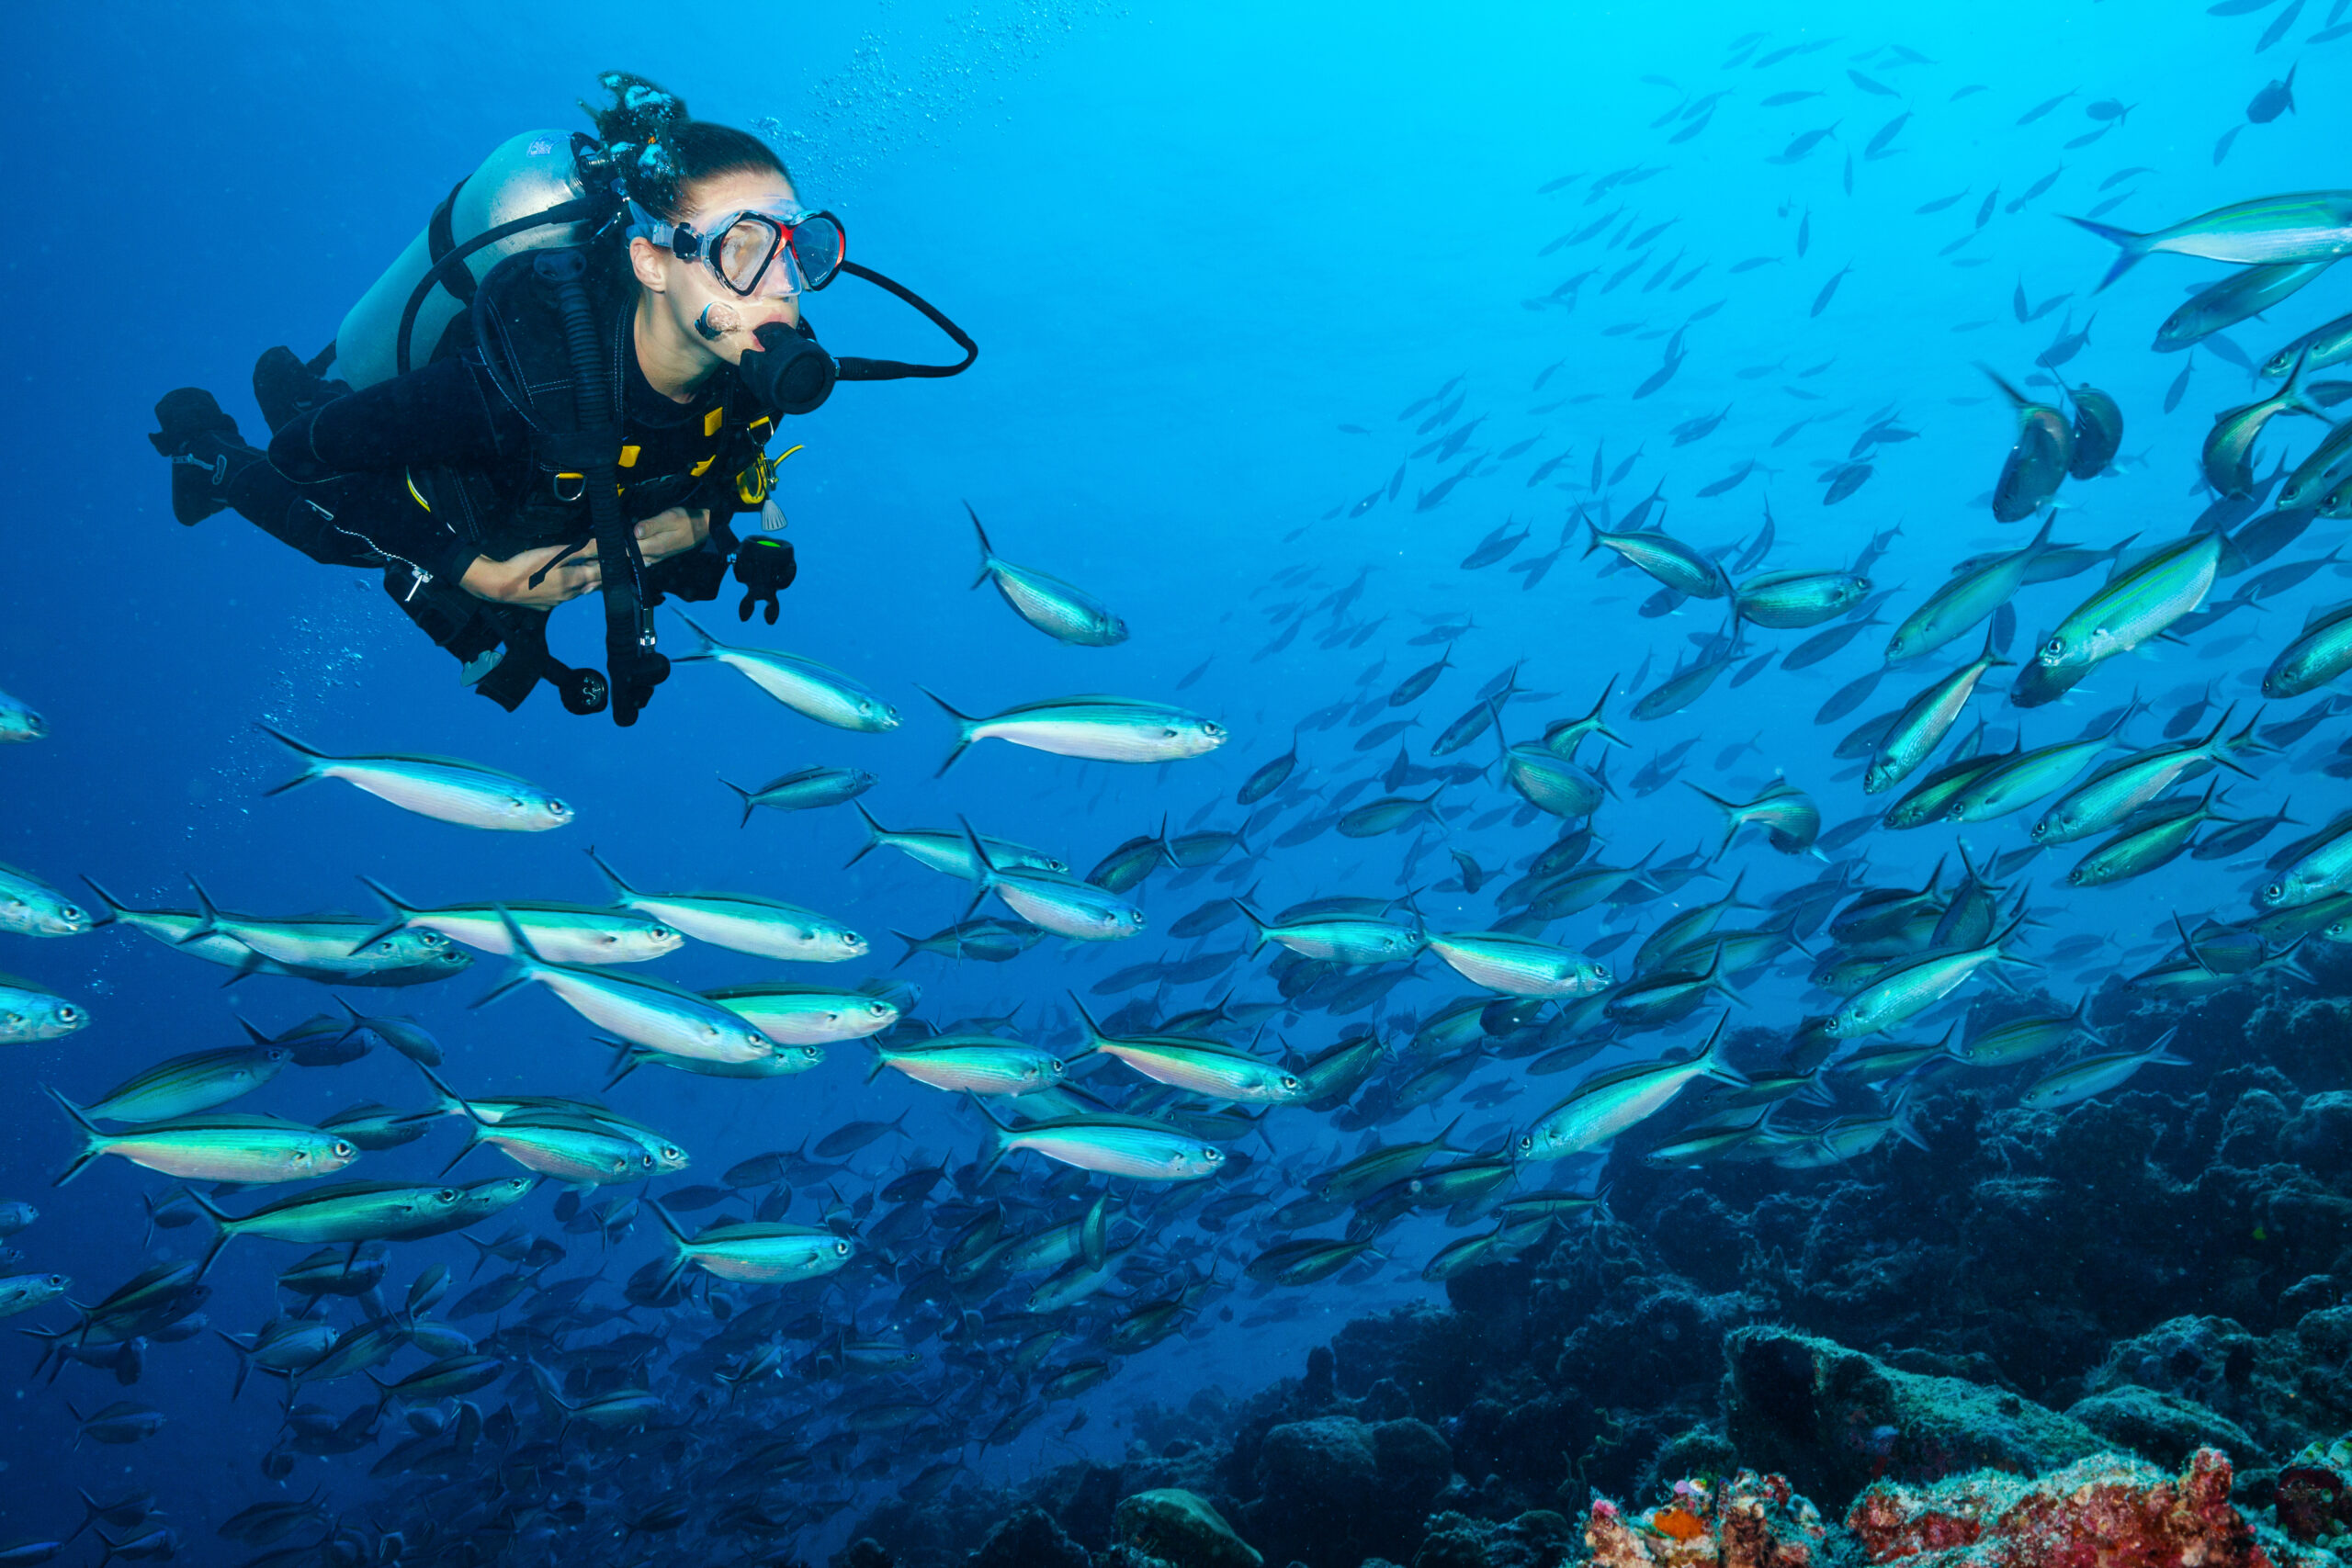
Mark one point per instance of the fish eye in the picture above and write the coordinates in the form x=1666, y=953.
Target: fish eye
x=558, y=808
x=2275, y=892
x=1212, y=1155
x=446, y=1195
x=1289, y=1083
x=841, y=1249
x=58, y=1281
x=69, y=912
x=2055, y=646
x=68, y=1014
x=342, y=1149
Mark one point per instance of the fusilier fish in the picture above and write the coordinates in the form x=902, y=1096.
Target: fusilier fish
x=1062, y=905
x=30, y=1013
x=1132, y=1147
x=765, y=928
x=217, y=1146
x=1911, y=986
x=1203, y=1068
x=22, y=1292
x=756, y=1254
x=441, y=787
x=793, y=1014
x=2321, y=867
x=560, y=934
x=19, y=721
x=1923, y=723
x=2093, y=1075
x=1519, y=966
x=2037, y=463
x=972, y=1063
x=2266, y=231
x=2319, y=654
x=2110, y=796
x=1789, y=818
x=1100, y=730
x=948, y=852
x=182, y=1085
x=2136, y=603
x=813, y=690
x=1060, y=610
x=1689, y=571
x=30, y=907
x=644, y=1012
x=1968, y=596
x=1608, y=1103
x=1338, y=937
x=804, y=789
x=1791, y=600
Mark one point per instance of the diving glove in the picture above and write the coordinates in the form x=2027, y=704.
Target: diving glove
x=766, y=567
x=207, y=453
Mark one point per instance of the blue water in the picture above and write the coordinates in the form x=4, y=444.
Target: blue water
x=1194, y=244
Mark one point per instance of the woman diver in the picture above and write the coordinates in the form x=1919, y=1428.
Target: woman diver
x=592, y=413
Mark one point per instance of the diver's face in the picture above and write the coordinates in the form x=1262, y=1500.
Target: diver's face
x=687, y=292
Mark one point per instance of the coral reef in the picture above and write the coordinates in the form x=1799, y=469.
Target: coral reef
x=2097, y=1511
x=2069, y=1294
x=1749, y=1521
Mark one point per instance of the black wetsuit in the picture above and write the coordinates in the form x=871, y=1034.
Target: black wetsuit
x=421, y=474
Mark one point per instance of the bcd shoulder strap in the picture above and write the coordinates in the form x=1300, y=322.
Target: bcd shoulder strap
x=591, y=447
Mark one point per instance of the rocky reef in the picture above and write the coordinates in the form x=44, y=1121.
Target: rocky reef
x=2129, y=1320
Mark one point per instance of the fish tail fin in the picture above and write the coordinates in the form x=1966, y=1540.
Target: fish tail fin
x=1095, y=1035
x=624, y=1061
x=704, y=645
x=312, y=758
x=1710, y=1060
x=620, y=888
x=224, y=1232
x=116, y=907
x=988, y=551
x=400, y=915
x=245, y=1370
x=1257, y=923
x=964, y=723
x=1715, y=980
x=91, y=1137
x=915, y=945
x=983, y=868
x=1000, y=1138
x=209, y=923
x=526, y=967
x=739, y=790
x=2158, y=1055
x=2133, y=247
x=874, y=833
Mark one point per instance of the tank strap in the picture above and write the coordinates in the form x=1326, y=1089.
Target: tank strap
x=440, y=238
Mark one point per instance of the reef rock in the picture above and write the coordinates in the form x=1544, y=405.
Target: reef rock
x=1750, y=1521
x=1833, y=1420
x=1336, y=1490
x=2099, y=1511
x=1030, y=1538
x=1181, y=1529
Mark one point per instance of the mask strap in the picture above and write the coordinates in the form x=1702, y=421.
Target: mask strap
x=857, y=370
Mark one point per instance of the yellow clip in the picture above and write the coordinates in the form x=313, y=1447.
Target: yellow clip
x=703, y=467
x=629, y=457
x=752, y=486
x=712, y=421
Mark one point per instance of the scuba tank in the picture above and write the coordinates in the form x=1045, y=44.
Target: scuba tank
x=533, y=191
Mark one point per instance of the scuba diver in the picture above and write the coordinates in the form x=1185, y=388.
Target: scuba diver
x=613, y=331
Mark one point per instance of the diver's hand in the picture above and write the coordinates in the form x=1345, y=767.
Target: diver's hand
x=508, y=581
x=671, y=533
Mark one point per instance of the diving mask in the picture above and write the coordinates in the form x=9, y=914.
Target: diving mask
x=776, y=252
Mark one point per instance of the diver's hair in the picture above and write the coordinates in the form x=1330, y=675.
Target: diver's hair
x=662, y=152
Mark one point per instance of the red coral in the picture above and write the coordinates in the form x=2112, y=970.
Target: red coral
x=2101, y=1513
